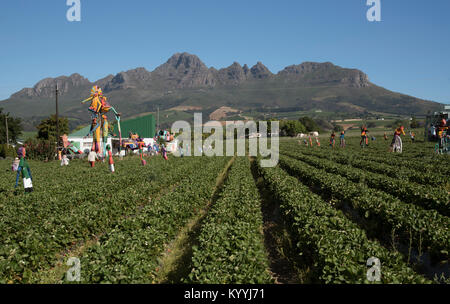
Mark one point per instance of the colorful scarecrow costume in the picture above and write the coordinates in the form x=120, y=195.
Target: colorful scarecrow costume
x=26, y=172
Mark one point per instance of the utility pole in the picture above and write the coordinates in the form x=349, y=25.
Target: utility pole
x=157, y=123
x=57, y=121
x=7, y=137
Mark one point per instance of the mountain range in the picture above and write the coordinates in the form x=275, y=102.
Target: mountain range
x=185, y=82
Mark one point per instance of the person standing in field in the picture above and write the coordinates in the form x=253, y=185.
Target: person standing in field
x=342, y=137
x=412, y=136
x=317, y=141
x=397, y=144
x=26, y=172
x=332, y=140
x=141, y=154
x=92, y=156
x=364, y=137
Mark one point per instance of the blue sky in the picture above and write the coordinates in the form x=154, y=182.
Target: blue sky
x=408, y=52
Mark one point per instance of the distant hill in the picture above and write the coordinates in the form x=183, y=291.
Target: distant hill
x=184, y=81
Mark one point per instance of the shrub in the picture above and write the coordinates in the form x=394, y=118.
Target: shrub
x=40, y=149
x=7, y=151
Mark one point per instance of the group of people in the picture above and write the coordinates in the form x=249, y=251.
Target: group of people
x=395, y=146
x=154, y=149
x=341, y=139
x=440, y=132
x=310, y=142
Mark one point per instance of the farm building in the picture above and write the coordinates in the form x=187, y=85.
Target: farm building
x=144, y=126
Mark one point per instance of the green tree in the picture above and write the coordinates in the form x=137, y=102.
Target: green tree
x=47, y=128
x=309, y=124
x=14, y=128
x=7, y=151
x=40, y=149
x=291, y=128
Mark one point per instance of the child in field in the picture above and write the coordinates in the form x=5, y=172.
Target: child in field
x=92, y=156
x=317, y=141
x=342, y=137
x=332, y=140
x=141, y=154
x=413, y=135
x=64, y=160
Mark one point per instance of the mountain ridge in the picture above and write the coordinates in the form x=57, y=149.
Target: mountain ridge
x=184, y=80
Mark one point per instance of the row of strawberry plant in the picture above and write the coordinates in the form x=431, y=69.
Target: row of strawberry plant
x=81, y=214
x=60, y=191
x=426, y=161
x=231, y=246
x=355, y=160
x=55, y=206
x=423, y=196
x=430, y=165
x=130, y=252
x=423, y=227
x=337, y=247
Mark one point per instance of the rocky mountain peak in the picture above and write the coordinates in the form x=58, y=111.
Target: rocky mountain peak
x=325, y=73
x=184, y=70
x=46, y=87
x=260, y=71
x=134, y=78
x=185, y=61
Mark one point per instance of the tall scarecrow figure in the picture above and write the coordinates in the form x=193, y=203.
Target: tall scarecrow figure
x=99, y=107
x=26, y=172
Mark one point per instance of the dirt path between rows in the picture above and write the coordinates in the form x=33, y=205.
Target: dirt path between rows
x=283, y=257
x=175, y=264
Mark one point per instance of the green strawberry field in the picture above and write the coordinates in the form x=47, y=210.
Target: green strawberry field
x=322, y=215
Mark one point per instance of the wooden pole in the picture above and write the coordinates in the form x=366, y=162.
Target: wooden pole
x=158, y=119
x=57, y=121
x=7, y=135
